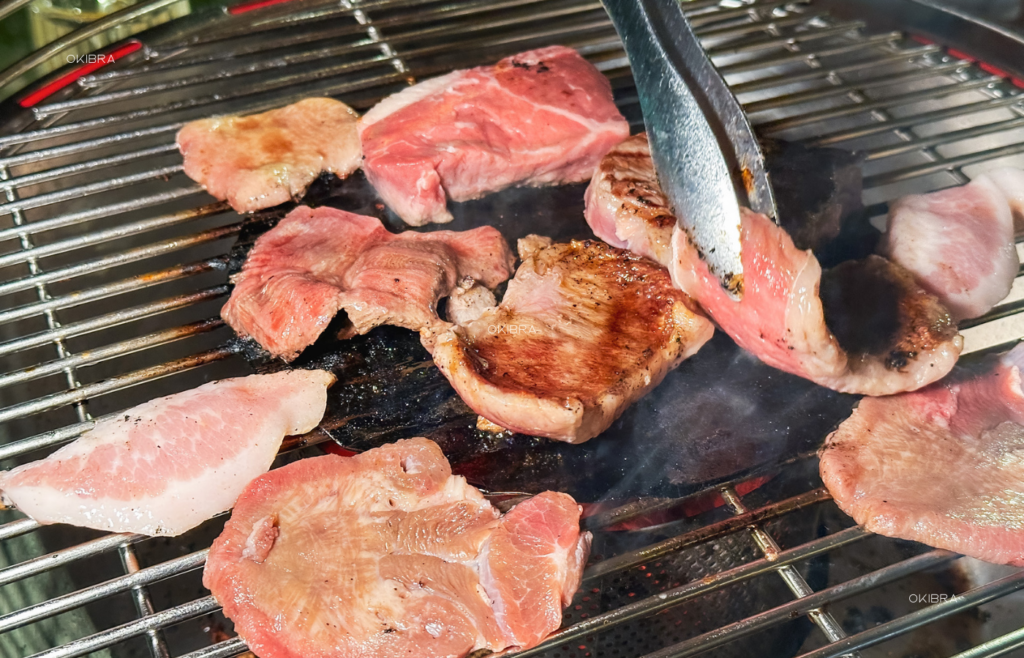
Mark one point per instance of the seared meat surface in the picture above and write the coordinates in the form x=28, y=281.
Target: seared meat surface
x=959, y=242
x=263, y=160
x=941, y=465
x=538, y=118
x=316, y=262
x=583, y=331
x=625, y=206
x=165, y=466
x=388, y=554
x=781, y=318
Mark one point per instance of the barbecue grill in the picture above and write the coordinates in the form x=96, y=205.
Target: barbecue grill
x=113, y=267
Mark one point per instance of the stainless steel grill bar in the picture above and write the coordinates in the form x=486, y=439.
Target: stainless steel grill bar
x=121, y=633
x=46, y=440
x=112, y=289
x=803, y=606
x=778, y=125
x=794, y=581
x=147, y=576
x=999, y=646
x=116, y=233
x=876, y=128
x=107, y=352
x=653, y=604
x=813, y=56
x=946, y=164
x=129, y=256
x=973, y=598
x=787, y=41
x=727, y=526
x=114, y=384
x=17, y=528
x=847, y=88
x=85, y=145
x=225, y=649
x=825, y=72
x=61, y=558
x=143, y=604
x=919, y=143
x=112, y=319
x=83, y=167
x=85, y=190
x=61, y=221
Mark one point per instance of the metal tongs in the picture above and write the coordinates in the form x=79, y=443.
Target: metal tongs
x=708, y=160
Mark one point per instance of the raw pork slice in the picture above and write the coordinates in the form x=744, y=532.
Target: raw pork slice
x=263, y=160
x=899, y=338
x=941, y=465
x=316, y=262
x=584, y=331
x=165, y=466
x=386, y=555
x=959, y=242
x=538, y=118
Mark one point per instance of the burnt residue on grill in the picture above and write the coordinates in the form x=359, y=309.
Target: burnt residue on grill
x=720, y=414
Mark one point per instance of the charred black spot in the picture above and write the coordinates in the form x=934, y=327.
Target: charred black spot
x=862, y=307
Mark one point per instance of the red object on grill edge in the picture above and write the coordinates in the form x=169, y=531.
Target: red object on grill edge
x=243, y=7
x=68, y=78
x=984, y=66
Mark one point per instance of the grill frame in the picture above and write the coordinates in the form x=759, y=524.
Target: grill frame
x=32, y=140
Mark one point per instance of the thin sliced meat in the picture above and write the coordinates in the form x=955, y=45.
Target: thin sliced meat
x=538, y=118
x=781, y=318
x=625, y=206
x=316, y=262
x=815, y=188
x=959, y=242
x=941, y=465
x=584, y=331
x=165, y=466
x=387, y=554
x=263, y=160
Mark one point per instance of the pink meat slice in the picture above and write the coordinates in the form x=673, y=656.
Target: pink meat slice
x=781, y=320
x=940, y=466
x=316, y=262
x=625, y=206
x=542, y=117
x=263, y=160
x=959, y=242
x=167, y=465
x=584, y=331
x=387, y=554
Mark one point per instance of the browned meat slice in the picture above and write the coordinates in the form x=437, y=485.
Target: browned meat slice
x=316, y=262
x=387, y=554
x=941, y=465
x=263, y=160
x=583, y=331
x=625, y=205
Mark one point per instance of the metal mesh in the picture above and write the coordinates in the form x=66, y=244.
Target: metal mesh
x=113, y=269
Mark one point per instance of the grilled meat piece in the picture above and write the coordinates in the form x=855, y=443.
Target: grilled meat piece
x=388, y=554
x=959, y=242
x=941, y=465
x=815, y=190
x=583, y=331
x=625, y=206
x=781, y=318
x=263, y=160
x=165, y=466
x=317, y=261
x=538, y=118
